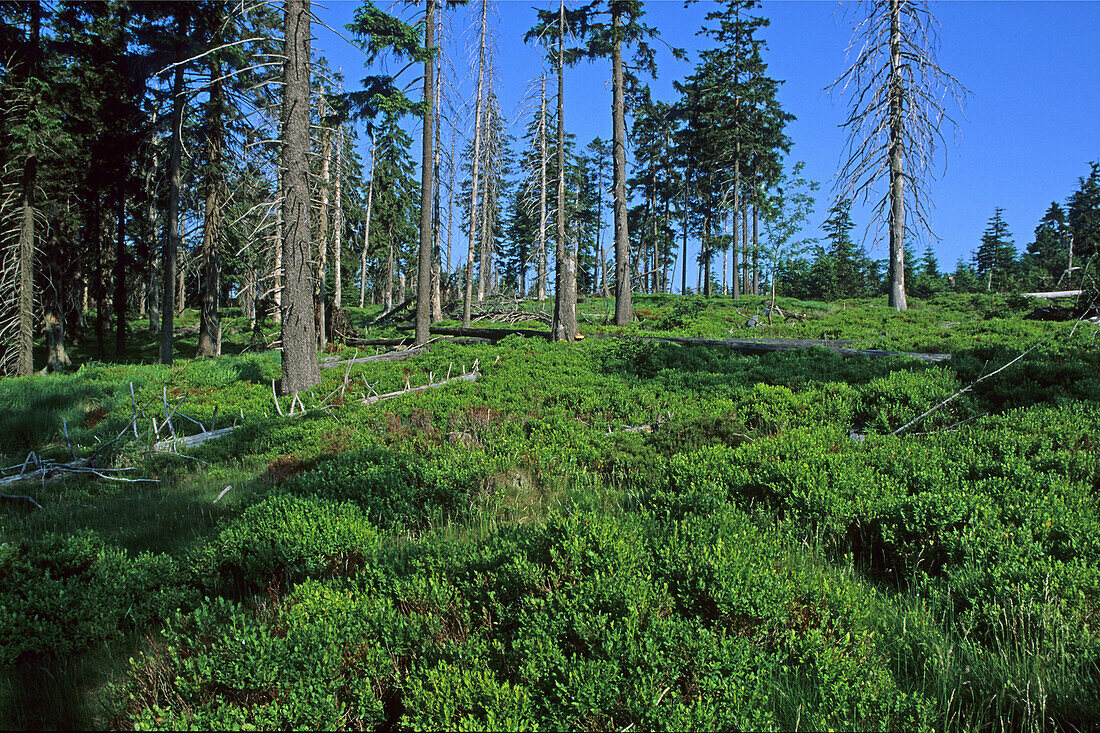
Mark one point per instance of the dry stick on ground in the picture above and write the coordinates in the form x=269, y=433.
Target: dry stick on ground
x=963, y=391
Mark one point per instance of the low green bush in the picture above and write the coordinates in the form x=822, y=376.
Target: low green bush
x=60, y=595
x=284, y=539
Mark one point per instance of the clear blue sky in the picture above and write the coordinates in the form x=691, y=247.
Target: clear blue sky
x=1031, y=126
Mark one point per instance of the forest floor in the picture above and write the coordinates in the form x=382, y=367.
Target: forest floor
x=619, y=533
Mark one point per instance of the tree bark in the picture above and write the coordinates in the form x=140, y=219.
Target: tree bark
x=542, y=254
x=366, y=224
x=173, y=238
x=466, y=304
x=299, y=368
x=209, y=323
x=624, y=309
x=119, y=299
x=319, y=280
x=565, y=296
x=897, y=177
x=424, y=259
x=338, y=224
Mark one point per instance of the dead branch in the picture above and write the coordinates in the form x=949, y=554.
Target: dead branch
x=470, y=377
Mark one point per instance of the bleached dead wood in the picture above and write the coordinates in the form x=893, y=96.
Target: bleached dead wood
x=764, y=346
x=470, y=377
x=1055, y=294
x=190, y=441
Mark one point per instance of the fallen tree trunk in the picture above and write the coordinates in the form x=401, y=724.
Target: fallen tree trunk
x=190, y=441
x=492, y=334
x=393, y=311
x=388, y=356
x=762, y=346
x=1056, y=294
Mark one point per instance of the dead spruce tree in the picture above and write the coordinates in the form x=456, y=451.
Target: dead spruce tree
x=898, y=111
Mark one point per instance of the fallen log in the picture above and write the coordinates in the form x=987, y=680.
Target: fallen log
x=765, y=346
x=190, y=441
x=492, y=334
x=1055, y=294
x=393, y=311
x=388, y=356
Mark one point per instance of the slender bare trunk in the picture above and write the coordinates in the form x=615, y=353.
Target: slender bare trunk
x=542, y=258
x=320, y=278
x=564, y=327
x=897, y=177
x=338, y=224
x=624, y=309
x=478, y=104
x=173, y=239
x=424, y=258
x=366, y=224
x=209, y=324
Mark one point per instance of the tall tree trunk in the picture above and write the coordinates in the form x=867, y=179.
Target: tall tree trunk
x=564, y=327
x=209, y=323
x=24, y=364
x=173, y=238
x=746, y=284
x=897, y=177
x=480, y=99
x=279, y=238
x=624, y=308
x=53, y=301
x=424, y=258
x=736, y=213
x=451, y=200
x=366, y=224
x=684, y=268
x=387, y=292
x=320, y=279
x=338, y=224
x=708, y=252
x=155, y=274
x=300, y=369
x=120, y=273
x=542, y=254
x=755, y=251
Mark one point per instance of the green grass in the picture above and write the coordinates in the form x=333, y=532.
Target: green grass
x=767, y=557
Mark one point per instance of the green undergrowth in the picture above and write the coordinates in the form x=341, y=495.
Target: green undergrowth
x=619, y=532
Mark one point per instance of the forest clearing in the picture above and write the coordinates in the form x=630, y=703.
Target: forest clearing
x=595, y=535
x=440, y=365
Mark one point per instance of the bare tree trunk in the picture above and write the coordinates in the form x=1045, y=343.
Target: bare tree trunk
x=119, y=299
x=366, y=224
x=424, y=258
x=338, y=224
x=387, y=292
x=736, y=213
x=624, y=308
x=897, y=178
x=155, y=264
x=745, y=283
x=24, y=364
x=277, y=288
x=209, y=323
x=542, y=254
x=564, y=327
x=173, y=239
x=57, y=358
x=475, y=162
x=300, y=369
x=755, y=250
x=684, y=268
x=319, y=280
